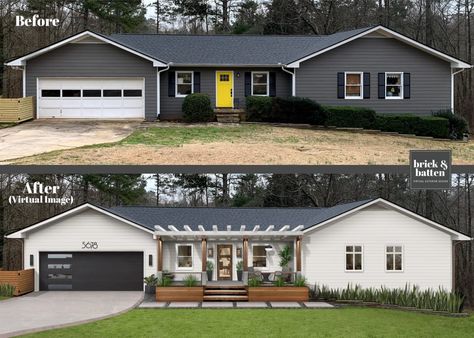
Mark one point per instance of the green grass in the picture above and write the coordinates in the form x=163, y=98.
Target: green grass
x=3, y=298
x=7, y=125
x=345, y=322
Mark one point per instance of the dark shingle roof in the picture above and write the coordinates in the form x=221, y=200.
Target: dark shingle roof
x=207, y=217
x=230, y=49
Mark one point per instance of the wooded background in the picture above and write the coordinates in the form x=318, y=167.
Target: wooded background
x=442, y=24
x=452, y=208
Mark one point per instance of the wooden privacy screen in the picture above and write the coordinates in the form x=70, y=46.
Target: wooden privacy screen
x=22, y=280
x=17, y=110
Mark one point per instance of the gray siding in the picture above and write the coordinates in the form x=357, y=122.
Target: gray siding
x=430, y=77
x=171, y=106
x=93, y=60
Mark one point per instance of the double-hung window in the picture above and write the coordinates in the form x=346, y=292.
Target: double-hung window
x=394, y=258
x=259, y=256
x=184, y=83
x=394, y=85
x=353, y=85
x=260, y=84
x=184, y=256
x=354, y=257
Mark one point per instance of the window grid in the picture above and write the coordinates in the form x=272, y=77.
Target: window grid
x=354, y=259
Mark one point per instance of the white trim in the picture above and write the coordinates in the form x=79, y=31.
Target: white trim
x=22, y=60
x=400, y=97
x=402, y=253
x=268, y=83
x=361, y=85
x=176, y=82
x=177, y=257
x=233, y=82
x=455, y=63
x=226, y=234
x=455, y=234
x=21, y=233
x=353, y=253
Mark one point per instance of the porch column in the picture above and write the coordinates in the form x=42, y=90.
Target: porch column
x=298, y=255
x=159, y=256
x=245, y=261
x=204, y=261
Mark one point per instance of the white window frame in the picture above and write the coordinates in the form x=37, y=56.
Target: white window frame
x=268, y=83
x=266, y=257
x=361, y=96
x=353, y=255
x=177, y=257
x=176, y=82
x=393, y=253
x=401, y=87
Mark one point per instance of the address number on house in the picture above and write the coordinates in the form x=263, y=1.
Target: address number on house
x=90, y=245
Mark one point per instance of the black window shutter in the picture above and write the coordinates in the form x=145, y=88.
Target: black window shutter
x=248, y=83
x=197, y=82
x=381, y=85
x=366, y=85
x=406, y=85
x=340, y=85
x=171, y=84
x=272, y=81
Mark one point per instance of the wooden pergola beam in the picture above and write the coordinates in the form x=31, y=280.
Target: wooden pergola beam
x=245, y=255
x=159, y=254
x=298, y=254
x=204, y=254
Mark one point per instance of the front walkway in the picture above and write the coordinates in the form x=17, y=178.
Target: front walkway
x=47, y=310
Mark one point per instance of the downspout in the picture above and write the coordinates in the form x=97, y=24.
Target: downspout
x=452, y=87
x=158, y=89
x=293, y=79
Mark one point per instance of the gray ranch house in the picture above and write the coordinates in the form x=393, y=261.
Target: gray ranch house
x=147, y=76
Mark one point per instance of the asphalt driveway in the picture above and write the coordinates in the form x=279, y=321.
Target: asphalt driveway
x=40, y=136
x=46, y=310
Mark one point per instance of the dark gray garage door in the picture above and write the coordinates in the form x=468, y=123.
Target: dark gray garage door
x=98, y=271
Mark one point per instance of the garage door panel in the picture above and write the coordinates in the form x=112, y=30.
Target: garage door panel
x=91, y=104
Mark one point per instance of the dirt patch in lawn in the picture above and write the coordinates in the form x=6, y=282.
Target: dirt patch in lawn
x=250, y=144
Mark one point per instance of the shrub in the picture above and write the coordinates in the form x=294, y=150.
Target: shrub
x=351, y=117
x=280, y=281
x=458, y=126
x=190, y=281
x=209, y=266
x=151, y=280
x=285, y=256
x=254, y=282
x=197, y=108
x=409, y=296
x=7, y=290
x=258, y=108
x=164, y=281
x=300, y=281
x=412, y=124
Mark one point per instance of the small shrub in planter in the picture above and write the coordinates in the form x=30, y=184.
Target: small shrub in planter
x=190, y=281
x=351, y=117
x=300, y=281
x=209, y=270
x=458, y=126
x=239, y=266
x=258, y=108
x=150, y=284
x=411, y=124
x=254, y=282
x=165, y=281
x=280, y=281
x=197, y=108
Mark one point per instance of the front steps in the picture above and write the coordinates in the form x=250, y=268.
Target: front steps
x=228, y=293
x=229, y=115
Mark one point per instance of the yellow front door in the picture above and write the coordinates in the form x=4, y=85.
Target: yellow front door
x=224, y=84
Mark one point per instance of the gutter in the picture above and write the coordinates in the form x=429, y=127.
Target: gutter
x=293, y=78
x=158, y=82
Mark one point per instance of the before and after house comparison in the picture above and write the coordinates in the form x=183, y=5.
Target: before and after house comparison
x=268, y=168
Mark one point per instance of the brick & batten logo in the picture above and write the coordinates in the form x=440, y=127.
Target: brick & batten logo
x=430, y=169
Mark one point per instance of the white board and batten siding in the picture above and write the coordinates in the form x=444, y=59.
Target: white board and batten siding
x=427, y=252
x=67, y=235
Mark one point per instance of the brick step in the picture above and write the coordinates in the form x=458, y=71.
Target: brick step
x=226, y=298
x=225, y=292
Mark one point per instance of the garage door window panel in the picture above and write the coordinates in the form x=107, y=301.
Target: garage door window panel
x=92, y=93
x=132, y=93
x=50, y=93
x=71, y=93
x=112, y=93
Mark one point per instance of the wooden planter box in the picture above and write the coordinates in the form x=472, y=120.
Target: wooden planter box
x=22, y=280
x=179, y=294
x=278, y=294
x=17, y=110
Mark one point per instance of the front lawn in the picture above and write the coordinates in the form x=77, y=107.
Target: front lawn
x=171, y=143
x=345, y=322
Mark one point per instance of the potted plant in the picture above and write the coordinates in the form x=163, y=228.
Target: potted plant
x=209, y=270
x=239, y=267
x=150, y=284
x=285, y=258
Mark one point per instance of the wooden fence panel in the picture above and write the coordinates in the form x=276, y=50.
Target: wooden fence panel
x=17, y=110
x=22, y=280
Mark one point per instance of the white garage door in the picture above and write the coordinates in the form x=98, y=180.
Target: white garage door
x=101, y=98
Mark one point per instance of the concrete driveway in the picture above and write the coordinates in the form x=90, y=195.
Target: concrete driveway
x=40, y=136
x=46, y=310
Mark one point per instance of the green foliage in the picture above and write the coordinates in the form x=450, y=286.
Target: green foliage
x=239, y=266
x=409, y=296
x=285, y=256
x=412, y=124
x=6, y=290
x=151, y=280
x=254, y=282
x=284, y=110
x=209, y=266
x=351, y=117
x=458, y=126
x=190, y=281
x=280, y=281
x=164, y=281
x=197, y=108
x=300, y=281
